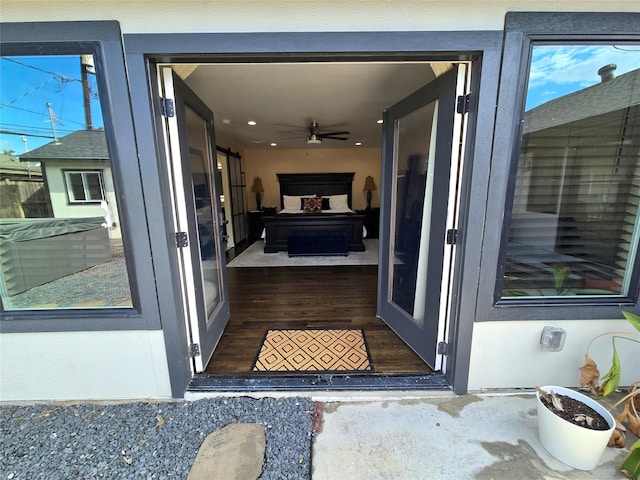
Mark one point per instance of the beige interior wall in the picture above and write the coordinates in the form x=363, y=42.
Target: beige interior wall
x=266, y=163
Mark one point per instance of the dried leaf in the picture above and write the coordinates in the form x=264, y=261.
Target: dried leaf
x=556, y=402
x=633, y=423
x=543, y=394
x=617, y=439
x=159, y=421
x=589, y=375
x=582, y=418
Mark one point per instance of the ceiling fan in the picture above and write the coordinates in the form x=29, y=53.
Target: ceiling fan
x=314, y=135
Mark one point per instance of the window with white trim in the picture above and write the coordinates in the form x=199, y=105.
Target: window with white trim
x=84, y=186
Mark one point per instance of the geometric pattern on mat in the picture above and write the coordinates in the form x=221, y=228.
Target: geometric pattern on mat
x=313, y=350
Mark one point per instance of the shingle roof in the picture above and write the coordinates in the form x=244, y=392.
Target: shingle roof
x=79, y=145
x=609, y=96
x=11, y=166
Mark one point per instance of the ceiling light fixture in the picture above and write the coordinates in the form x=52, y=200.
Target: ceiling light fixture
x=274, y=144
x=380, y=121
x=251, y=122
x=226, y=121
x=314, y=139
x=358, y=144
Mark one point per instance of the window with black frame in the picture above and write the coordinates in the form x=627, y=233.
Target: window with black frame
x=574, y=220
x=61, y=243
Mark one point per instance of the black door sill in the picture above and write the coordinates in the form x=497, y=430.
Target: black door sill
x=324, y=382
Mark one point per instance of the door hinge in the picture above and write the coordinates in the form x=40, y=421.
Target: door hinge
x=462, y=106
x=167, y=107
x=194, y=350
x=442, y=348
x=452, y=236
x=182, y=239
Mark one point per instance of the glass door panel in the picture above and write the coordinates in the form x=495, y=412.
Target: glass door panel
x=413, y=200
x=417, y=148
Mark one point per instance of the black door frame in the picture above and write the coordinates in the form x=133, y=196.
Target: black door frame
x=482, y=48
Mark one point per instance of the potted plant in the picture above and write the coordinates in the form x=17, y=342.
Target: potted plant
x=629, y=417
x=573, y=427
x=568, y=420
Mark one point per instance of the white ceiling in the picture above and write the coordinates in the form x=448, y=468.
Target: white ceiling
x=285, y=98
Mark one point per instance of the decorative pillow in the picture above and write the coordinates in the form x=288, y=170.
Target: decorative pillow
x=338, y=202
x=291, y=202
x=304, y=199
x=325, y=202
x=313, y=205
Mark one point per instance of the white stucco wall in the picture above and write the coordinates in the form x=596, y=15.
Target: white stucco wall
x=83, y=365
x=146, y=16
x=509, y=355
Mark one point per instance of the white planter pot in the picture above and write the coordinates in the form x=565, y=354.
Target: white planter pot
x=575, y=446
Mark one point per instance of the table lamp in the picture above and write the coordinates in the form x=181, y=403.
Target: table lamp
x=369, y=185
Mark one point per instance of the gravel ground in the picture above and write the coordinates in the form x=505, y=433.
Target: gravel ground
x=146, y=440
x=107, y=282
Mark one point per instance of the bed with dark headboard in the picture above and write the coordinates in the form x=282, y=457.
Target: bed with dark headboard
x=279, y=227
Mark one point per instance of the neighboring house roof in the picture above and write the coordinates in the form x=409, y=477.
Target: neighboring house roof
x=604, y=97
x=79, y=145
x=12, y=167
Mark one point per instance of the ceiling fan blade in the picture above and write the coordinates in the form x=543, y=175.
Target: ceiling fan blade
x=332, y=138
x=333, y=134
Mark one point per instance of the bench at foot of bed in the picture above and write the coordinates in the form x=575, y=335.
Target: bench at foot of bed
x=318, y=243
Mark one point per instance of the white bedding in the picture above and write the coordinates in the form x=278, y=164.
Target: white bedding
x=334, y=211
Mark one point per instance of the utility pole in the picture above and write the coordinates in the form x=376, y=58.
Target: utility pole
x=86, y=67
x=52, y=121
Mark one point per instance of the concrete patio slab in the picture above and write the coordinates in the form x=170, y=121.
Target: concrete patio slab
x=465, y=437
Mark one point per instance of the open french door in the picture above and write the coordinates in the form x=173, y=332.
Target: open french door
x=420, y=162
x=191, y=162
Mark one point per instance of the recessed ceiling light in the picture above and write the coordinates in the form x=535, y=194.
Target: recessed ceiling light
x=274, y=144
x=380, y=121
x=358, y=144
x=251, y=122
x=226, y=121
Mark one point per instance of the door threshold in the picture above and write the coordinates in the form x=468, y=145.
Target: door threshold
x=324, y=382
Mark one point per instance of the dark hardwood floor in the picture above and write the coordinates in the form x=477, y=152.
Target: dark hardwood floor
x=306, y=297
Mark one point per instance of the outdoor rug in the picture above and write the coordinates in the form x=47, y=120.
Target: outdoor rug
x=319, y=350
x=254, y=256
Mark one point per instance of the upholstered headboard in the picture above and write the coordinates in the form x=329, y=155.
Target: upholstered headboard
x=321, y=184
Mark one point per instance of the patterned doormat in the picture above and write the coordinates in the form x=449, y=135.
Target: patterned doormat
x=324, y=350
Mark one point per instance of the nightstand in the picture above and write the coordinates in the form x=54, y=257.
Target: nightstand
x=371, y=222
x=255, y=222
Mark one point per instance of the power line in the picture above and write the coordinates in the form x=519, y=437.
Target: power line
x=62, y=78
x=37, y=113
x=7, y=132
x=31, y=128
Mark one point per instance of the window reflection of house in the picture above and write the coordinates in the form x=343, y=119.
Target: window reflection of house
x=576, y=192
x=78, y=176
x=83, y=233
